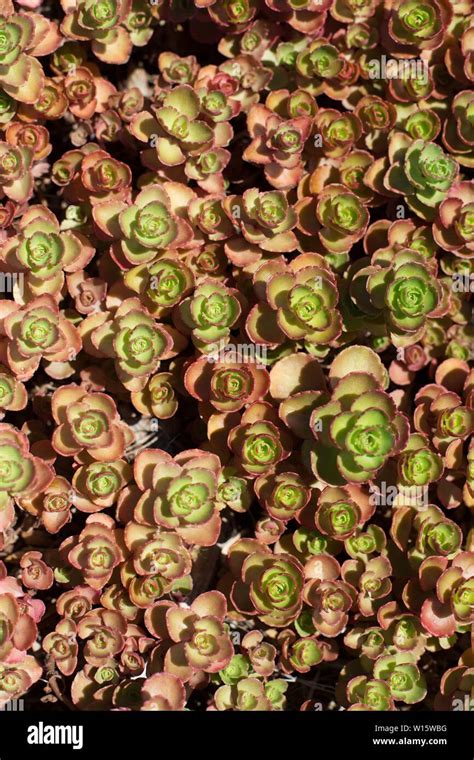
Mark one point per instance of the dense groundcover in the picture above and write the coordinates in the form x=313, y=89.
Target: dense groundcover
x=236, y=342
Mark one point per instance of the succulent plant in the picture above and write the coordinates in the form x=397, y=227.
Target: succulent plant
x=135, y=341
x=20, y=629
x=22, y=475
x=261, y=654
x=342, y=511
x=17, y=678
x=283, y=494
x=418, y=26
x=358, y=429
x=268, y=585
x=162, y=284
x=209, y=315
x=159, y=563
x=158, y=397
x=405, y=682
x=61, y=645
x=179, y=132
x=339, y=218
x=43, y=251
x=236, y=392
x=453, y=229
x=227, y=386
x=144, y=226
x=455, y=685
x=435, y=535
x=418, y=465
x=247, y=695
x=258, y=445
x=304, y=296
x=330, y=599
x=163, y=691
x=198, y=641
x=278, y=145
x=405, y=290
x=265, y=221
x=13, y=396
x=37, y=331
x=420, y=171
x=320, y=62
x=181, y=493
x=98, y=485
x=52, y=504
x=457, y=132
x=87, y=421
x=105, y=24
x=95, y=552
x=450, y=609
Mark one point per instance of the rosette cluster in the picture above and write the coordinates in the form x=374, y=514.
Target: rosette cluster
x=236, y=354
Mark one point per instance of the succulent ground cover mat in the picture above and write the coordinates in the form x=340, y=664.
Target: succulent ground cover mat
x=236, y=344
